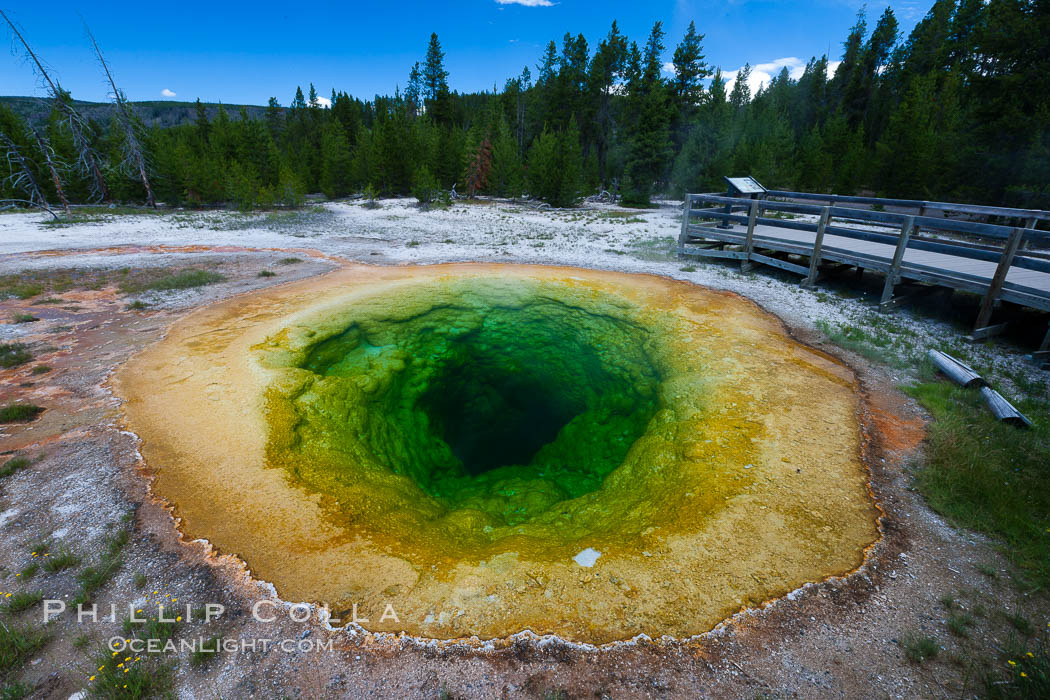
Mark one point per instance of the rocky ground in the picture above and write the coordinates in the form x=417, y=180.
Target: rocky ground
x=84, y=485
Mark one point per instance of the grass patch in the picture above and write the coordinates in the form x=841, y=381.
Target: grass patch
x=960, y=625
x=185, y=279
x=24, y=318
x=15, y=691
x=151, y=628
x=870, y=344
x=918, y=648
x=23, y=600
x=987, y=570
x=14, y=354
x=19, y=412
x=14, y=287
x=267, y=273
x=53, y=281
x=13, y=465
x=989, y=477
x=94, y=578
x=29, y=571
x=205, y=652
x=126, y=675
x=137, y=305
x=1019, y=623
x=40, y=369
x=140, y=580
x=1023, y=674
x=17, y=642
x=289, y=261
x=60, y=561
x=688, y=268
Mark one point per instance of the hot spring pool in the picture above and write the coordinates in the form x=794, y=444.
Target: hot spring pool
x=448, y=440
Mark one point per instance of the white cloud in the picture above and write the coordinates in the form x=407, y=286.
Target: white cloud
x=527, y=3
x=324, y=102
x=669, y=68
x=167, y=93
x=763, y=73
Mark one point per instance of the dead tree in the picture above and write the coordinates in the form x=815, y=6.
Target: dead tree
x=87, y=159
x=134, y=155
x=22, y=177
x=53, y=166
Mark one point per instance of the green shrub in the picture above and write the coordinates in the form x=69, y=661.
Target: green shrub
x=425, y=186
x=19, y=413
x=13, y=465
x=14, y=354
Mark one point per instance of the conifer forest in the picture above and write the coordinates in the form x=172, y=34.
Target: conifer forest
x=959, y=110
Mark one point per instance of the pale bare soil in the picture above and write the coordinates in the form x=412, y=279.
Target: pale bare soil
x=839, y=638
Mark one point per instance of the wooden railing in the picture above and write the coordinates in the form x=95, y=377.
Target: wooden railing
x=1029, y=216
x=997, y=243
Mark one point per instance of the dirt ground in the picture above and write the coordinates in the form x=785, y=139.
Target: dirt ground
x=837, y=638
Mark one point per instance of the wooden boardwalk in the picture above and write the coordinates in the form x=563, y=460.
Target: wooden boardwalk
x=986, y=259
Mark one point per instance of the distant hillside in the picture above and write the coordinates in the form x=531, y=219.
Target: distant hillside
x=153, y=113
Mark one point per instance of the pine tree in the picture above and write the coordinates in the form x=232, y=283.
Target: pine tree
x=414, y=91
x=479, y=166
x=435, y=77
x=741, y=93
x=274, y=118
x=862, y=80
x=650, y=145
x=687, y=88
x=336, y=161
x=505, y=176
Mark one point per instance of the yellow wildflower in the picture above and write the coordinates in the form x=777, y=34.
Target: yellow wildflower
x=1012, y=663
x=1024, y=675
x=92, y=678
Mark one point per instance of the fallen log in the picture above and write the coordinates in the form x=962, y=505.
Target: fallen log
x=955, y=370
x=1003, y=409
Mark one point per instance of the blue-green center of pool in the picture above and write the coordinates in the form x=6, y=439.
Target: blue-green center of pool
x=504, y=409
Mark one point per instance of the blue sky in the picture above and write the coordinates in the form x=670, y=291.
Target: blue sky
x=244, y=54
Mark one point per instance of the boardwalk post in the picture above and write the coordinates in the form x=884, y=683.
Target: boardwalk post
x=752, y=216
x=684, y=236
x=818, y=243
x=1029, y=223
x=895, y=267
x=981, y=329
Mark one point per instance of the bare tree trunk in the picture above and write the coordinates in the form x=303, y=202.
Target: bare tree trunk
x=49, y=158
x=134, y=154
x=22, y=176
x=87, y=160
